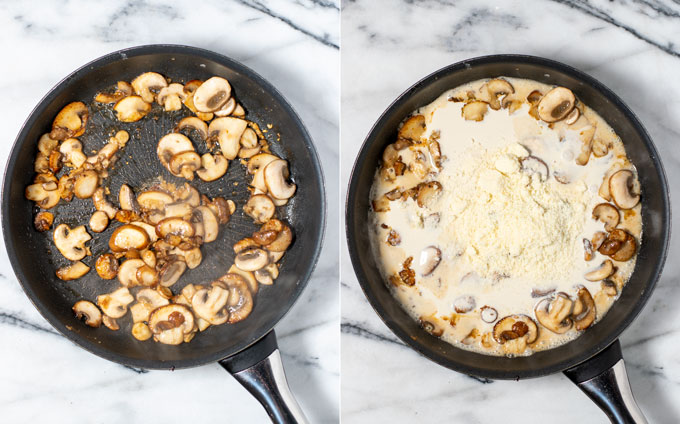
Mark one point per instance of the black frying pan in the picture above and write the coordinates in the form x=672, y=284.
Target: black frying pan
x=247, y=349
x=593, y=361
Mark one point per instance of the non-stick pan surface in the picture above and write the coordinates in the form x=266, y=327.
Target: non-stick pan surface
x=35, y=259
x=655, y=217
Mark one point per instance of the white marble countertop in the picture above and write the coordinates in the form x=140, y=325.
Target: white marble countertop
x=632, y=47
x=46, y=378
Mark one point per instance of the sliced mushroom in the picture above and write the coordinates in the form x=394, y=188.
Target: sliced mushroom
x=178, y=210
x=586, y=135
x=430, y=257
x=413, y=128
x=276, y=178
x=184, y=164
x=608, y=214
x=110, y=323
x=188, y=194
x=127, y=273
x=99, y=221
x=107, y=266
x=516, y=330
x=488, y=314
x=532, y=165
x=556, y=104
x=151, y=298
x=251, y=259
x=623, y=189
x=128, y=237
x=222, y=208
x=194, y=124
x=146, y=275
x=427, y=192
x=192, y=257
x=260, y=207
x=43, y=221
x=174, y=226
x=44, y=198
x=603, y=271
x=475, y=110
x=72, y=272
x=145, y=85
x=170, y=324
x=613, y=242
x=131, y=109
x=627, y=250
x=213, y=167
x=70, y=121
x=249, y=139
x=141, y=331
x=72, y=150
x=149, y=229
x=85, y=184
x=71, y=242
x=240, y=302
x=609, y=287
x=284, y=238
x=115, y=304
x=600, y=148
x=598, y=238
x=210, y=224
x=588, y=251
x=554, y=314
x=464, y=304
x=88, y=311
x=496, y=88
x=267, y=275
x=170, y=145
x=123, y=89
x=244, y=244
x=171, y=97
x=259, y=162
x=227, y=131
x=154, y=200
x=171, y=272
x=227, y=109
x=584, y=310
x=126, y=198
x=572, y=116
x=212, y=94
x=102, y=204
x=210, y=304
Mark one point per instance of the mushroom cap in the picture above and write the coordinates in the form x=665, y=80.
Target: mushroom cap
x=496, y=88
x=71, y=242
x=252, y=259
x=89, y=311
x=556, y=104
x=248, y=276
x=150, y=230
x=284, y=238
x=141, y=331
x=623, y=189
x=276, y=178
x=127, y=272
x=72, y=149
x=85, y=184
x=260, y=207
x=99, y=221
x=151, y=298
x=213, y=167
x=131, y=109
x=249, y=139
x=212, y=94
x=171, y=144
x=175, y=226
x=144, y=83
x=227, y=108
x=195, y=124
x=183, y=164
x=172, y=89
x=128, y=237
x=170, y=323
x=70, y=121
x=507, y=329
x=72, y=272
x=126, y=198
x=259, y=161
x=107, y=266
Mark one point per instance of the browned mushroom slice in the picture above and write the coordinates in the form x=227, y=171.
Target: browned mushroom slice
x=184, y=164
x=174, y=226
x=609, y=287
x=85, y=184
x=413, y=128
x=131, y=109
x=464, y=304
x=260, y=207
x=488, y=314
x=210, y=304
x=584, y=312
x=515, y=332
x=251, y=259
x=227, y=108
x=556, y=104
x=427, y=192
x=532, y=165
x=259, y=161
x=244, y=244
x=603, y=271
x=123, y=89
x=554, y=314
x=253, y=284
x=126, y=198
x=608, y=214
x=475, y=110
x=212, y=94
x=88, y=311
x=586, y=135
x=70, y=121
x=497, y=88
x=284, y=238
x=128, y=237
x=115, y=304
x=170, y=145
x=600, y=148
x=72, y=149
x=213, y=167
x=146, y=84
x=141, y=331
x=195, y=124
x=102, y=204
x=72, y=272
x=99, y=221
x=170, y=324
x=627, y=250
x=227, y=131
x=430, y=257
x=71, y=242
x=46, y=199
x=170, y=272
x=572, y=116
x=107, y=266
x=276, y=178
x=127, y=272
x=240, y=302
x=431, y=325
x=43, y=221
x=154, y=200
x=588, y=251
x=623, y=189
x=381, y=204
x=146, y=275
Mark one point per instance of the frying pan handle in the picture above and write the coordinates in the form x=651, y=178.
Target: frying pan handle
x=603, y=378
x=260, y=370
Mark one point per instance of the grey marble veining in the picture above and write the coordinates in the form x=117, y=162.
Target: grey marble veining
x=632, y=46
x=294, y=45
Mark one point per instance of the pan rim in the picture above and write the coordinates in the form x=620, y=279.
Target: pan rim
x=360, y=163
x=122, y=54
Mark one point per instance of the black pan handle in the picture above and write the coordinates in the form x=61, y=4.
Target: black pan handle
x=260, y=370
x=603, y=378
